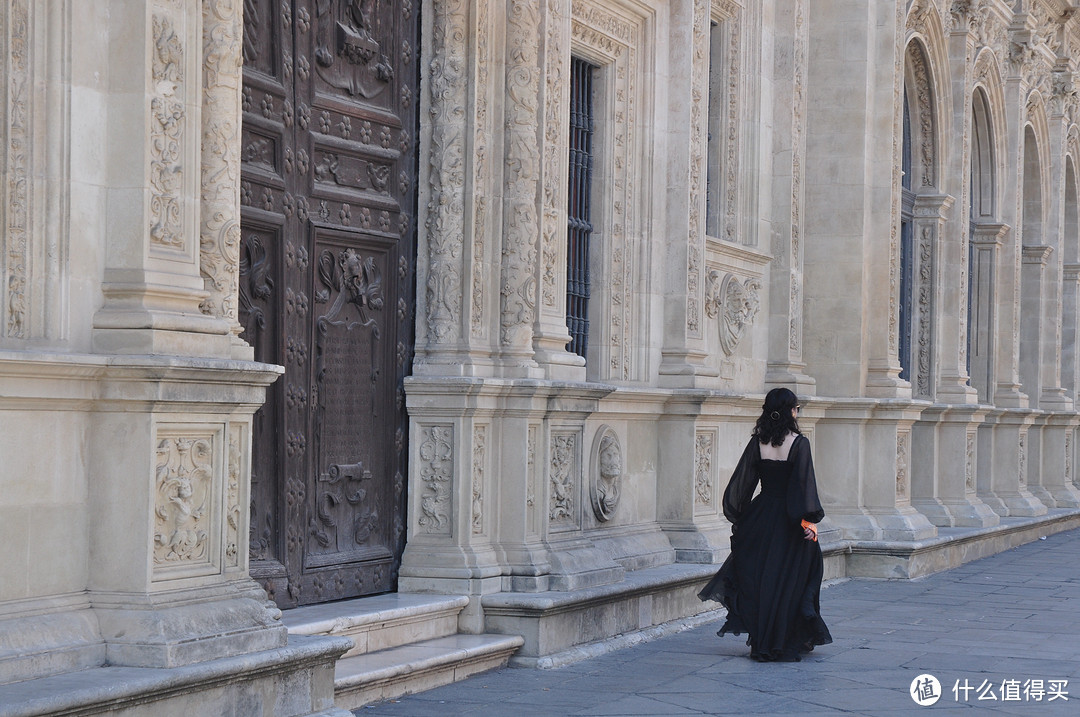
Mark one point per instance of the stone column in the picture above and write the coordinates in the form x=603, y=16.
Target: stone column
x=928, y=293
x=952, y=266
x=1007, y=390
x=219, y=205
x=684, y=347
x=852, y=192
x=550, y=333
x=1032, y=308
x=1070, y=335
x=153, y=287
x=457, y=326
x=786, y=366
x=986, y=246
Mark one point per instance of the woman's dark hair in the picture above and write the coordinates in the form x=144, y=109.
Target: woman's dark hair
x=776, y=420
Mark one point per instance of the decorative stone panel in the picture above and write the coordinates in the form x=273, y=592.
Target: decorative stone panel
x=734, y=304
x=564, y=503
x=704, y=474
x=903, y=461
x=479, y=458
x=436, y=470
x=189, y=474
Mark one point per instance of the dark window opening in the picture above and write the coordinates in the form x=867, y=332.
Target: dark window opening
x=579, y=217
x=907, y=267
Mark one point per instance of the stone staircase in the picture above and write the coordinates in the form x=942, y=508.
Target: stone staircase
x=404, y=643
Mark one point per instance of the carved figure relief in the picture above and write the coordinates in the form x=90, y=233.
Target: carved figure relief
x=703, y=458
x=184, y=477
x=734, y=303
x=436, y=474
x=563, y=506
x=348, y=53
x=607, y=471
x=1022, y=466
x=479, y=457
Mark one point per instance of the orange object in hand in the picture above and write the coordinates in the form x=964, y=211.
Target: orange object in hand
x=807, y=524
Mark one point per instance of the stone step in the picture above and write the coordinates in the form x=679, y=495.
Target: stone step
x=380, y=622
x=424, y=665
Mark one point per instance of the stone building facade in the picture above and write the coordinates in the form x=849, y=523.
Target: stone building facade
x=873, y=203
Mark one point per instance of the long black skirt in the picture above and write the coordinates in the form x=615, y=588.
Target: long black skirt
x=771, y=584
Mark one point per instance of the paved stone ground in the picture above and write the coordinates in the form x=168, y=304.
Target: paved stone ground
x=1012, y=616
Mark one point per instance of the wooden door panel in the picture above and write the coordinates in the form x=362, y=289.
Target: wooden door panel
x=328, y=158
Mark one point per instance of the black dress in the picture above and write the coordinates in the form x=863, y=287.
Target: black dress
x=771, y=582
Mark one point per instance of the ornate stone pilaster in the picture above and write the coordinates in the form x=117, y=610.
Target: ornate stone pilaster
x=219, y=256
x=521, y=188
x=550, y=333
x=1070, y=320
x=684, y=350
x=1035, y=264
x=929, y=222
x=34, y=274
x=980, y=345
x=153, y=284
x=443, y=275
x=786, y=366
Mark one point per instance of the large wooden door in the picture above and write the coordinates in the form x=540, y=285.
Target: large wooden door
x=328, y=195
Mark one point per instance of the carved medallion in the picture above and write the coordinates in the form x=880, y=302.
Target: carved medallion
x=607, y=470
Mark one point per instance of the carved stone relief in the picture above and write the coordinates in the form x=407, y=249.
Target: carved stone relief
x=481, y=144
x=1022, y=463
x=16, y=193
x=517, y=285
x=969, y=463
x=902, y=481
x=925, y=313
x=447, y=82
x=167, y=138
x=237, y=475
x=436, y=477
x=1068, y=457
x=607, y=472
x=734, y=304
x=703, y=479
x=219, y=256
x=478, y=464
x=798, y=148
x=696, y=238
x=565, y=469
x=184, y=498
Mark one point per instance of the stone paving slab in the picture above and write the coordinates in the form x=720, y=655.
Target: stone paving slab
x=1011, y=616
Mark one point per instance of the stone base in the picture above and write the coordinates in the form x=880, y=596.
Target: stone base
x=553, y=622
x=951, y=548
x=292, y=681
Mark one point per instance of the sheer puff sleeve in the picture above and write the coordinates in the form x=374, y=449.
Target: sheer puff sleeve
x=802, y=495
x=740, y=489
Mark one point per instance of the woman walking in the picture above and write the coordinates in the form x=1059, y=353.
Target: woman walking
x=771, y=582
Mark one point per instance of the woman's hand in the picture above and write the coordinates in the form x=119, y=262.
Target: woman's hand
x=809, y=530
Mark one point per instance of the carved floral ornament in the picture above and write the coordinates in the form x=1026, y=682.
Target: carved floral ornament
x=607, y=470
x=734, y=303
